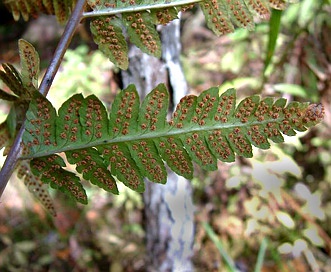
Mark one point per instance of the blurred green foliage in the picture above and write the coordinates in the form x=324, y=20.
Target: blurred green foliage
x=81, y=72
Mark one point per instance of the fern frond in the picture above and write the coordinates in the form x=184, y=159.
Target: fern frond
x=38, y=189
x=29, y=63
x=31, y=8
x=26, y=82
x=142, y=32
x=21, y=84
x=163, y=16
x=135, y=140
x=4, y=135
x=107, y=34
x=140, y=18
x=261, y=7
x=216, y=17
x=278, y=4
x=12, y=78
x=50, y=170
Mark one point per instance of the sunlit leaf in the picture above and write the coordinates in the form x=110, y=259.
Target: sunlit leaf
x=285, y=219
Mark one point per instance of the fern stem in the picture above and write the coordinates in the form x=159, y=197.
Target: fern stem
x=62, y=47
x=113, y=11
x=16, y=149
x=11, y=160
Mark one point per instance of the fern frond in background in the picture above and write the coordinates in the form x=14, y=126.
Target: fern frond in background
x=37, y=188
x=221, y=17
x=32, y=8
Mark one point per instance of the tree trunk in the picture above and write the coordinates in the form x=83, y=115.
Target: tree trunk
x=168, y=208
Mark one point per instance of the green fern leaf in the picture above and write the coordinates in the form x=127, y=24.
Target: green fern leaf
x=124, y=113
x=4, y=135
x=220, y=16
x=91, y=165
x=12, y=78
x=50, y=170
x=24, y=83
x=123, y=166
x=278, y=4
x=41, y=123
x=68, y=122
x=153, y=111
x=216, y=17
x=107, y=33
x=38, y=189
x=31, y=8
x=142, y=32
x=93, y=117
x=163, y=16
x=21, y=88
x=203, y=129
x=90, y=112
x=240, y=14
x=260, y=7
x=146, y=157
x=29, y=63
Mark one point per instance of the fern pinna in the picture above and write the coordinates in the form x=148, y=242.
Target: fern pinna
x=135, y=140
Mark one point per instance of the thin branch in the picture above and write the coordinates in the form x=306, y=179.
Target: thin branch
x=16, y=149
x=113, y=11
